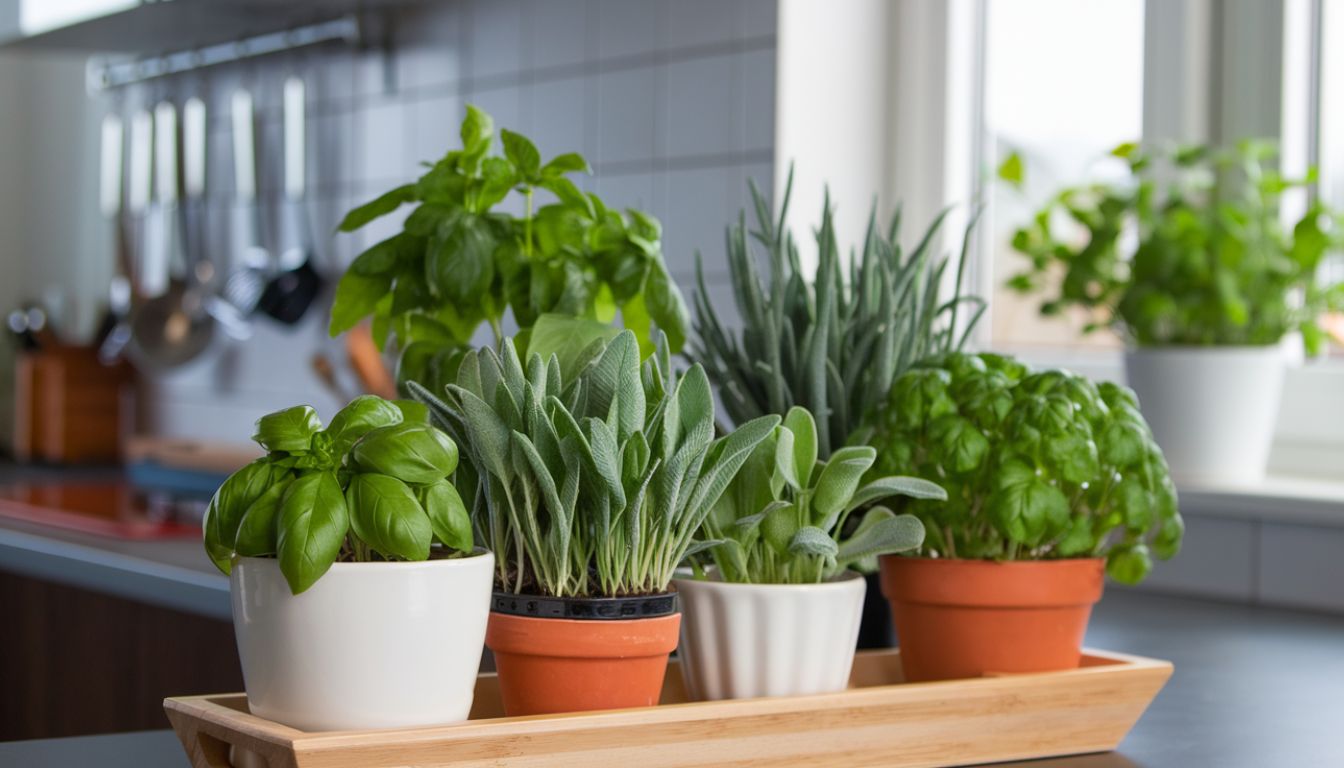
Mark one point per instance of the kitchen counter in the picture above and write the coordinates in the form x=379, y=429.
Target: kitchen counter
x=169, y=573
x=1253, y=686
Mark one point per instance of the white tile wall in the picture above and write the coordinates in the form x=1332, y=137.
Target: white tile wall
x=560, y=33
x=700, y=107
x=625, y=115
x=672, y=101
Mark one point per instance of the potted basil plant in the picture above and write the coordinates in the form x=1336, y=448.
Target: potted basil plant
x=777, y=612
x=495, y=234
x=1204, y=294
x=589, y=490
x=359, y=600
x=1051, y=482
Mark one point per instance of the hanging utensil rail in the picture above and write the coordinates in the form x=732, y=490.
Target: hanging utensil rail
x=103, y=74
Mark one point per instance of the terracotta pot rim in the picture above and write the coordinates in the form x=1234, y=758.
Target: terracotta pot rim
x=582, y=638
x=969, y=561
x=991, y=584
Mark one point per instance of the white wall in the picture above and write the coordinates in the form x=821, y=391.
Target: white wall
x=51, y=239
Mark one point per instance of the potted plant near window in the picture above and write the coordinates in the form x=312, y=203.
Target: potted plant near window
x=830, y=340
x=1203, y=295
x=778, y=611
x=1052, y=482
x=359, y=600
x=589, y=490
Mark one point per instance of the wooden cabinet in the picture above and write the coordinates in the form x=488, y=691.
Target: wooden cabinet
x=76, y=662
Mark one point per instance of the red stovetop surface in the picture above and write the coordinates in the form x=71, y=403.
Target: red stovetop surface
x=106, y=508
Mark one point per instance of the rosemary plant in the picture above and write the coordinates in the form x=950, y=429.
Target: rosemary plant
x=593, y=486
x=835, y=343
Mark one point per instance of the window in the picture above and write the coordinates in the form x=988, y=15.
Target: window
x=1063, y=86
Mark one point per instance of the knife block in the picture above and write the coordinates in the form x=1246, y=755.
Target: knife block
x=69, y=408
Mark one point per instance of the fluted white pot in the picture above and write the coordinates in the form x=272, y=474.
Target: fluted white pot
x=370, y=645
x=1211, y=409
x=741, y=641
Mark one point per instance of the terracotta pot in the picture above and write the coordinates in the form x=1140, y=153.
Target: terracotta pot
x=968, y=618
x=568, y=665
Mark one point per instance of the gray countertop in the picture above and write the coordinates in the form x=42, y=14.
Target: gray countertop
x=171, y=573
x=1253, y=686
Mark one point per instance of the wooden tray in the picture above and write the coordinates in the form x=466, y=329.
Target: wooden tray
x=877, y=722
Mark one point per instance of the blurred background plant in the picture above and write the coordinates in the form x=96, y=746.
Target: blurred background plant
x=1190, y=250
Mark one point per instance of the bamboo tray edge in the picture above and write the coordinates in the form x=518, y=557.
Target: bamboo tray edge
x=879, y=720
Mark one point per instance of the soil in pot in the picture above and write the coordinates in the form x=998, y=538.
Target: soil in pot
x=549, y=662
x=968, y=618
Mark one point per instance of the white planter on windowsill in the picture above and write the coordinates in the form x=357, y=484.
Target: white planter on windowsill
x=1211, y=409
x=370, y=645
x=742, y=641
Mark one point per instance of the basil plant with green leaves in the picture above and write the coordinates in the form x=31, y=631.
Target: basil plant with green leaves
x=375, y=484
x=1212, y=264
x=780, y=521
x=1037, y=465
x=593, y=485
x=461, y=260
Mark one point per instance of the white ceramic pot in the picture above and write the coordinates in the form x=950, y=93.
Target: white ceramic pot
x=370, y=645
x=741, y=641
x=1212, y=409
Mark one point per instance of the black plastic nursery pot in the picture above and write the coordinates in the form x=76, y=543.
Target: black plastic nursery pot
x=576, y=654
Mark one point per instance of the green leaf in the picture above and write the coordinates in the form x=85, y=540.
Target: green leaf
x=1129, y=565
x=362, y=414
x=448, y=516
x=1011, y=171
x=523, y=153
x=800, y=422
x=1029, y=511
x=230, y=503
x=963, y=446
x=886, y=487
x=779, y=526
x=412, y=412
x=573, y=340
x=838, y=481
x=386, y=515
x=666, y=306
x=810, y=540
x=290, y=430
x=357, y=296
x=381, y=258
x=881, y=533
x=478, y=129
x=460, y=264
x=567, y=163
x=258, y=531
x=410, y=452
x=380, y=206
x=312, y=527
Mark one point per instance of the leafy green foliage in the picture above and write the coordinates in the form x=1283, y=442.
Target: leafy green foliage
x=460, y=261
x=832, y=344
x=1212, y=266
x=593, y=484
x=373, y=485
x=780, y=520
x=1037, y=465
